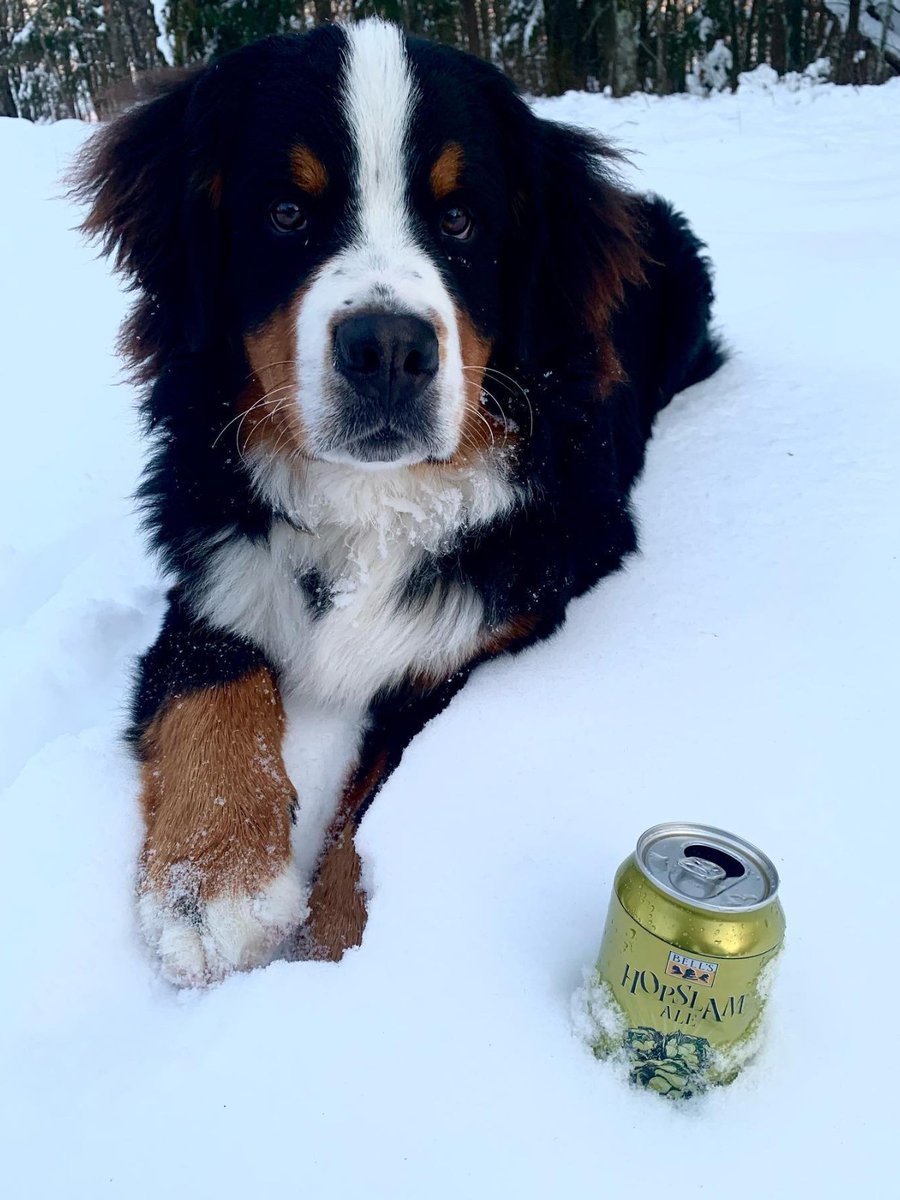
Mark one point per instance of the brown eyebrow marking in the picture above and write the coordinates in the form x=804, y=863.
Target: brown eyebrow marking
x=446, y=172
x=308, y=170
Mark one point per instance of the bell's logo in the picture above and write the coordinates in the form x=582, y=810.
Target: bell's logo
x=691, y=970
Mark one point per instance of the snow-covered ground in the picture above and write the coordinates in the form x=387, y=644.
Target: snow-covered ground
x=741, y=672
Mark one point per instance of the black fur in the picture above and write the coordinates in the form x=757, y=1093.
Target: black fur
x=187, y=656
x=597, y=304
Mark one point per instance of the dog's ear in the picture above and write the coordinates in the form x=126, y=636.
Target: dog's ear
x=586, y=250
x=152, y=192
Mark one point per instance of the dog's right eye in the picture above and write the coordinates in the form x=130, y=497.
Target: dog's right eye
x=288, y=217
x=457, y=222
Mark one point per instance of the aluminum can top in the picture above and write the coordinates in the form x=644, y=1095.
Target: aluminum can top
x=706, y=867
x=702, y=890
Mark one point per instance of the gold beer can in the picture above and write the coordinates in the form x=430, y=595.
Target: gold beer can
x=694, y=925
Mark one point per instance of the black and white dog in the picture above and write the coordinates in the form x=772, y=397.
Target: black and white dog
x=404, y=344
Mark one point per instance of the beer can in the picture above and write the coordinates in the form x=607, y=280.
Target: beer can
x=694, y=926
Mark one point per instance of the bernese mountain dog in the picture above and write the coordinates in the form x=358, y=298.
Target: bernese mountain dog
x=403, y=343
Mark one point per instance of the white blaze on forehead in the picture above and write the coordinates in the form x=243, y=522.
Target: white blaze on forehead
x=382, y=266
x=378, y=98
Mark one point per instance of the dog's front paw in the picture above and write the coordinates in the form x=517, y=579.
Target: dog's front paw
x=337, y=904
x=200, y=938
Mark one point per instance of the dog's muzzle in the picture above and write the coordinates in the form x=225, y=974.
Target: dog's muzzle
x=387, y=363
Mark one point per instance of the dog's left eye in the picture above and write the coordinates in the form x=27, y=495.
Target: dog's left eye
x=457, y=223
x=288, y=216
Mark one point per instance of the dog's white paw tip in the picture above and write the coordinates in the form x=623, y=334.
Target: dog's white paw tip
x=244, y=930
x=234, y=931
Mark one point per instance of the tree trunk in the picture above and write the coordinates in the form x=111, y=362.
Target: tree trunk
x=564, y=69
x=850, y=44
x=824, y=29
x=887, y=18
x=662, y=75
x=113, y=19
x=487, y=28
x=470, y=21
x=762, y=33
x=749, y=64
x=625, y=80
x=7, y=100
x=412, y=19
x=778, y=43
x=8, y=107
x=643, y=53
x=793, y=19
x=140, y=33
x=601, y=43
x=735, y=45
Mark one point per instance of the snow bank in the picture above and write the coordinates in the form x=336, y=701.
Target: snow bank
x=741, y=672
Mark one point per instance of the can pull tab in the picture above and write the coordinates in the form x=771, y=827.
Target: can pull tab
x=697, y=877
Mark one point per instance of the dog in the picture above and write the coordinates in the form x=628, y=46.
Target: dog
x=403, y=343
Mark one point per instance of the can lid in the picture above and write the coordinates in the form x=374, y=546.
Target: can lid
x=706, y=867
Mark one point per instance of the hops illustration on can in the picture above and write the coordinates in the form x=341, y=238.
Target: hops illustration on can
x=693, y=926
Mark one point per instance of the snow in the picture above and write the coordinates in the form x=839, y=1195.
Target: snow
x=740, y=672
x=163, y=39
x=24, y=34
x=712, y=70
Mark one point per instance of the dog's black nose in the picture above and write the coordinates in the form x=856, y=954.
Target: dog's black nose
x=389, y=359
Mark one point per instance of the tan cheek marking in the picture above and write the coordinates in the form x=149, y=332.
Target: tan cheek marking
x=479, y=430
x=308, y=170
x=216, y=185
x=447, y=171
x=623, y=263
x=270, y=415
x=215, y=794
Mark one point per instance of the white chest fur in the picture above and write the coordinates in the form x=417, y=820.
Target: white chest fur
x=356, y=537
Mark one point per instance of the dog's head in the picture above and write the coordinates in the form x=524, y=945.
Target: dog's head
x=365, y=221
